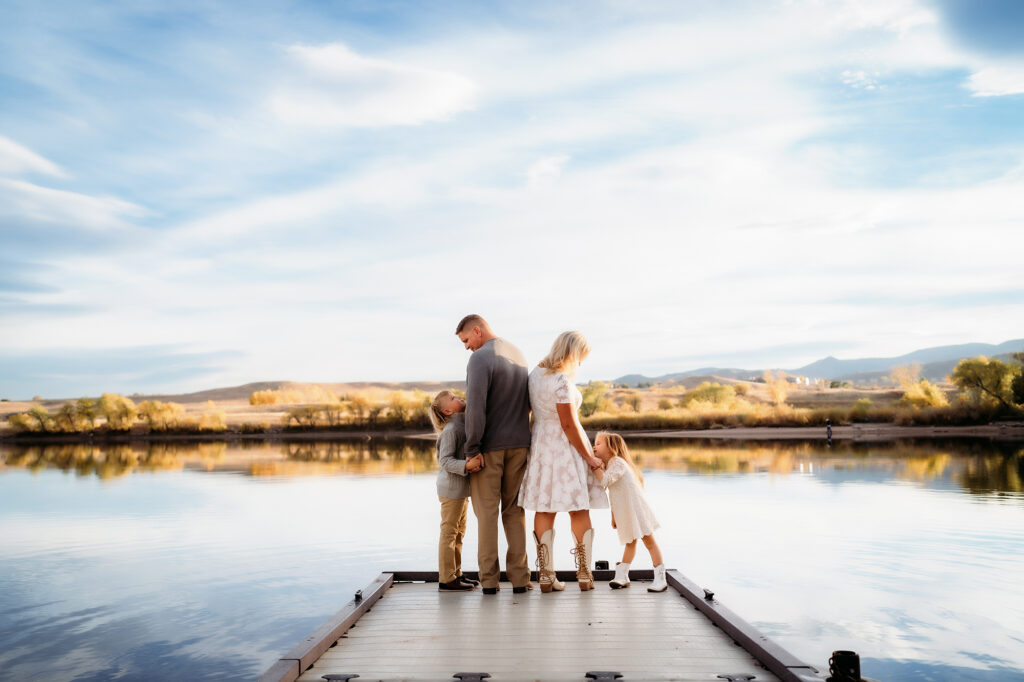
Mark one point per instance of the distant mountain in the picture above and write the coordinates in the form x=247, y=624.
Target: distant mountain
x=244, y=391
x=935, y=363
x=833, y=368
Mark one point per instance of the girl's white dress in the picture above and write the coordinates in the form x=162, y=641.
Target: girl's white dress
x=633, y=517
x=557, y=479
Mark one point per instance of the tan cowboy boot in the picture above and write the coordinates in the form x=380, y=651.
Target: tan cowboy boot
x=545, y=571
x=582, y=553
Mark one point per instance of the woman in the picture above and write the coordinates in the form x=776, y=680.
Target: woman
x=559, y=476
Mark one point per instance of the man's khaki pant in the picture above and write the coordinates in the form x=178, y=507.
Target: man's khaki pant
x=497, y=485
x=449, y=545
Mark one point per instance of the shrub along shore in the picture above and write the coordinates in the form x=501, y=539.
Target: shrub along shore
x=980, y=391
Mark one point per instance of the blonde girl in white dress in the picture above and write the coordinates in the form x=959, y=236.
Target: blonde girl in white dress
x=631, y=515
x=560, y=472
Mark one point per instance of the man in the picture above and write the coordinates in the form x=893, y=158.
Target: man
x=498, y=435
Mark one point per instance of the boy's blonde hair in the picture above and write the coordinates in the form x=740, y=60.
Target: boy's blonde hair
x=566, y=353
x=437, y=416
x=617, y=445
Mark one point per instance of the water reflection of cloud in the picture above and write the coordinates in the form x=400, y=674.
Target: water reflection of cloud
x=895, y=566
x=889, y=566
x=250, y=573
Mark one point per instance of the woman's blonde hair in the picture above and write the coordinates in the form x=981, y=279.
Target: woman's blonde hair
x=437, y=416
x=566, y=353
x=617, y=445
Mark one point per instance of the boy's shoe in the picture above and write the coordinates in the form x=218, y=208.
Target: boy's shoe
x=454, y=586
x=621, y=578
x=491, y=590
x=519, y=589
x=659, y=584
x=469, y=581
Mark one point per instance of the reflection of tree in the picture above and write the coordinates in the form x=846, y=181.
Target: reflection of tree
x=979, y=465
x=377, y=455
x=997, y=473
x=112, y=460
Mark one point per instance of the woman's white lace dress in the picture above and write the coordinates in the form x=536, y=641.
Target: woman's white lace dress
x=633, y=517
x=557, y=478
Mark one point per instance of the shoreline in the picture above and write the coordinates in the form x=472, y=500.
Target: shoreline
x=1008, y=431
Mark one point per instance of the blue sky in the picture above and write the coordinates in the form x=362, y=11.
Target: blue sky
x=193, y=195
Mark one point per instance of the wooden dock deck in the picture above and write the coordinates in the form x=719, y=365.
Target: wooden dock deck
x=402, y=628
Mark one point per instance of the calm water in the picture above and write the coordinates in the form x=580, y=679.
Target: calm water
x=207, y=562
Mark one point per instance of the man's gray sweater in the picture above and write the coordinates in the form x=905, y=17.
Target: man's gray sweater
x=497, y=399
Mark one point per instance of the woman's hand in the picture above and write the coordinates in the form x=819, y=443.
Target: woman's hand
x=594, y=462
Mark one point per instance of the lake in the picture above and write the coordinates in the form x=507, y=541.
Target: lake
x=208, y=561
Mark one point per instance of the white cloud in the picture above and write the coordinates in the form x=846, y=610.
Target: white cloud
x=997, y=80
x=860, y=79
x=16, y=159
x=69, y=209
x=694, y=219
x=545, y=171
x=336, y=87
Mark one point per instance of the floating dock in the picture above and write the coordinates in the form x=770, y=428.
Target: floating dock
x=401, y=627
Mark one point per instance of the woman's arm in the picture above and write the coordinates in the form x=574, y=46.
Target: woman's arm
x=574, y=432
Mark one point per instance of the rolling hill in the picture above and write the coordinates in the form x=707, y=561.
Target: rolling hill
x=935, y=363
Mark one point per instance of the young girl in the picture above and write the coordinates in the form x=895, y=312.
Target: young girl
x=630, y=513
x=447, y=415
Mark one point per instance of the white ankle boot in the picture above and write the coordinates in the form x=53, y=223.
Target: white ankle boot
x=621, y=578
x=545, y=570
x=659, y=584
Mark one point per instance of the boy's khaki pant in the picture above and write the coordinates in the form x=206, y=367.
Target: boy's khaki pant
x=449, y=546
x=497, y=486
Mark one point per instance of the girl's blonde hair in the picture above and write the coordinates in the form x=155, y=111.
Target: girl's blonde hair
x=566, y=353
x=617, y=445
x=437, y=416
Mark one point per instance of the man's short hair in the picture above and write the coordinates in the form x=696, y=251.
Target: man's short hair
x=470, y=321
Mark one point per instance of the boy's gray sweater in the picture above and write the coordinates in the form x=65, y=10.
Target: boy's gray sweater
x=452, y=480
x=497, y=399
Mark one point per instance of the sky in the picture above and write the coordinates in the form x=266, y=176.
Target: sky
x=196, y=195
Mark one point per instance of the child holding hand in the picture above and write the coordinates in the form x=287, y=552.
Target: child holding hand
x=447, y=415
x=631, y=515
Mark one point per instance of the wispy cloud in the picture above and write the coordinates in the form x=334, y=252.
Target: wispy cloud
x=66, y=208
x=17, y=160
x=333, y=86
x=692, y=177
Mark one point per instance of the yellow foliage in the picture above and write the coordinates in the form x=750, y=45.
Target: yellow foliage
x=777, y=385
x=21, y=422
x=906, y=376
x=119, y=411
x=213, y=419
x=161, y=416
x=292, y=396
x=924, y=394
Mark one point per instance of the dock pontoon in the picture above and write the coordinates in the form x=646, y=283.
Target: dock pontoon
x=401, y=627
